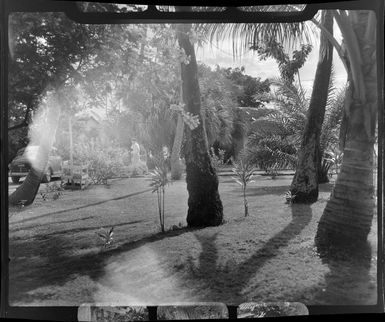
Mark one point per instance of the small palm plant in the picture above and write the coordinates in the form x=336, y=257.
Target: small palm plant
x=159, y=180
x=244, y=172
x=290, y=197
x=106, y=236
x=335, y=158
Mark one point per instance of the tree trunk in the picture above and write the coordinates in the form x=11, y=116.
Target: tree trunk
x=27, y=191
x=176, y=162
x=305, y=181
x=204, y=203
x=349, y=212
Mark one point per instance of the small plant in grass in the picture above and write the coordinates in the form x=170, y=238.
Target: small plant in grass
x=159, y=181
x=290, y=197
x=106, y=236
x=217, y=160
x=22, y=203
x=335, y=158
x=244, y=172
x=273, y=171
x=54, y=191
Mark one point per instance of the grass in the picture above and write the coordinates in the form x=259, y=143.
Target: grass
x=58, y=259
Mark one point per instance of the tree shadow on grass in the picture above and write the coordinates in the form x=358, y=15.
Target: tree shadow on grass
x=325, y=187
x=44, y=261
x=233, y=277
x=348, y=282
x=261, y=191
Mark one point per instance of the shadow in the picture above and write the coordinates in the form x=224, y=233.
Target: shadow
x=81, y=207
x=325, y=187
x=348, y=282
x=48, y=224
x=96, y=228
x=77, y=229
x=34, y=269
x=261, y=191
x=235, y=277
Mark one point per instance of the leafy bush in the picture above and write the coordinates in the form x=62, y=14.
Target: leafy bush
x=52, y=191
x=103, y=162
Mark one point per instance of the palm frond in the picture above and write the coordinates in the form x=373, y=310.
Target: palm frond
x=245, y=35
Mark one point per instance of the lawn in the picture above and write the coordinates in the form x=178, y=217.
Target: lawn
x=57, y=257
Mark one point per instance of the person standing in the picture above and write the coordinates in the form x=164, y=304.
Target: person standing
x=135, y=153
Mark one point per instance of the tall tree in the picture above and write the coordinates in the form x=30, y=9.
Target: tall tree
x=349, y=213
x=48, y=51
x=305, y=182
x=288, y=68
x=204, y=203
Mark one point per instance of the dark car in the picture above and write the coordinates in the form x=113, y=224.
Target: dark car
x=21, y=164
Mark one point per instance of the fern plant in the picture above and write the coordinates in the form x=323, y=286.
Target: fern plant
x=244, y=171
x=159, y=181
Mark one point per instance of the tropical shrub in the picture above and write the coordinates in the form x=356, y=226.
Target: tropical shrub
x=52, y=191
x=271, y=153
x=159, y=181
x=103, y=162
x=106, y=236
x=244, y=171
x=334, y=157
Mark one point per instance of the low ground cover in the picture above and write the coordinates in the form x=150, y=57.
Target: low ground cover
x=57, y=257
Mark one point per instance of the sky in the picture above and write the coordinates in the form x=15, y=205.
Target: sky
x=221, y=54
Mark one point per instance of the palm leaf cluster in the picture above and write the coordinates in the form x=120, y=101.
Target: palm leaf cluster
x=333, y=117
x=275, y=137
x=159, y=181
x=246, y=35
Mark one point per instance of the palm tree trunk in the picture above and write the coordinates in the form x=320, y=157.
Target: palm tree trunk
x=349, y=212
x=305, y=181
x=176, y=162
x=204, y=203
x=27, y=191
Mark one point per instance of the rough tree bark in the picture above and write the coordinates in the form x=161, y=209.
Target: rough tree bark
x=349, y=213
x=305, y=181
x=176, y=162
x=204, y=203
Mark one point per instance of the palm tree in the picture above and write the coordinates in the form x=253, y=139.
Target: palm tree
x=205, y=205
x=305, y=182
x=275, y=134
x=349, y=212
x=175, y=160
x=351, y=201
x=329, y=140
